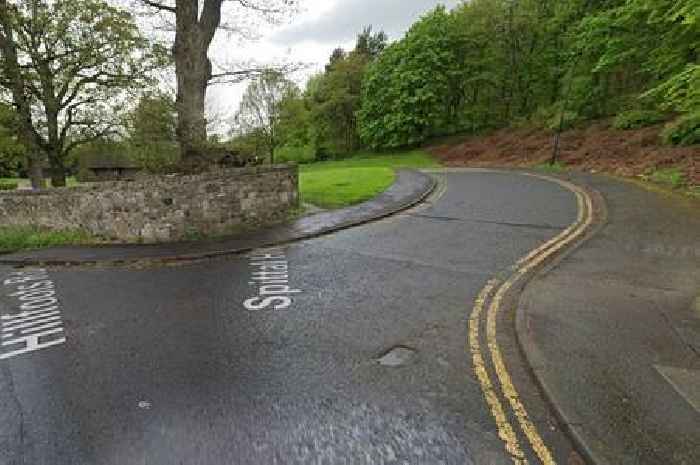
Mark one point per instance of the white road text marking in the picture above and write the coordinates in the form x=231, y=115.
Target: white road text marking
x=37, y=323
x=270, y=277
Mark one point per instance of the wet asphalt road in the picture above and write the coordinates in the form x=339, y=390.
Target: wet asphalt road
x=165, y=365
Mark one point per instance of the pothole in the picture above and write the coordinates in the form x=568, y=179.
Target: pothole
x=397, y=356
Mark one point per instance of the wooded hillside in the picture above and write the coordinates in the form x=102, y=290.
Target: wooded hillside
x=491, y=64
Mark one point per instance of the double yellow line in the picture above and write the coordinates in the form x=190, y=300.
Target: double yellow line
x=499, y=390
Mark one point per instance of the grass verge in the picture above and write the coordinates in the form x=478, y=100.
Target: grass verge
x=672, y=177
x=71, y=181
x=14, y=238
x=355, y=179
x=556, y=167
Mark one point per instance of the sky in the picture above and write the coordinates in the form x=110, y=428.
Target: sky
x=309, y=37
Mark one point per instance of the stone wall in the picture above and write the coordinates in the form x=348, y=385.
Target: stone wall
x=161, y=208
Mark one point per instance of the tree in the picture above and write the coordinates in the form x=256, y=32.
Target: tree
x=337, y=55
x=261, y=107
x=294, y=121
x=334, y=96
x=369, y=44
x=196, y=23
x=335, y=101
x=12, y=152
x=151, y=132
x=65, y=65
x=406, y=90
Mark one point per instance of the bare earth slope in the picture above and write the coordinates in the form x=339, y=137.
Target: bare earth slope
x=597, y=147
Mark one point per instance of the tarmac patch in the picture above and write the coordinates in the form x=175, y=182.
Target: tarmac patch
x=397, y=356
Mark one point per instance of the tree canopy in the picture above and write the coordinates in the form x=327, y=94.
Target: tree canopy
x=494, y=63
x=261, y=108
x=66, y=66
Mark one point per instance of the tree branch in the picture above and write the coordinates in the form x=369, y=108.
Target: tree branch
x=159, y=6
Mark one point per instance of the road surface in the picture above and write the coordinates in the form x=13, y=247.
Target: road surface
x=351, y=348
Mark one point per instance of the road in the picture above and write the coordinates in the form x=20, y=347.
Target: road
x=366, y=359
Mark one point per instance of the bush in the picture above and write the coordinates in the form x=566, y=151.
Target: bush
x=673, y=177
x=290, y=153
x=683, y=131
x=8, y=185
x=634, y=119
x=155, y=157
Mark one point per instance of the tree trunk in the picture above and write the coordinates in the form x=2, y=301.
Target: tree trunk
x=58, y=171
x=35, y=171
x=192, y=78
x=193, y=35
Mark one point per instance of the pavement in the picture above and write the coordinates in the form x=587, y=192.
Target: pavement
x=409, y=188
x=393, y=342
x=612, y=331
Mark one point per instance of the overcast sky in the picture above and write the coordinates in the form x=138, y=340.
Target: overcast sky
x=311, y=36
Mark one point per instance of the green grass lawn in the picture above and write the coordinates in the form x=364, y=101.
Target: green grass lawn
x=352, y=180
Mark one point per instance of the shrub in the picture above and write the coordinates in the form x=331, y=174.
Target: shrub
x=556, y=167
x=8, y=185
x=634, y=119
x=156, y=156
x=673, y=177
x=683, y=131
x=289, y=153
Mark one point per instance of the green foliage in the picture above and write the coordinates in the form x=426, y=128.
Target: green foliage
x=406, y=91
x=13, y=238
x=672, y=177
x=77, y=59
x=556, y=167
x=566, y=120
x=155, y=157
x=683, y=131
x=416, y=159
x=293, y=125
x=296, y=154
x=334, y=98
x=248, y=145
x=12, y=152
x=495, y=63
x=488, y=64
x=369, y=44
x=7, y=185
x=633, y=119
x=151, y=138
x=681, y=92
x=262, y=106
x=652, y=45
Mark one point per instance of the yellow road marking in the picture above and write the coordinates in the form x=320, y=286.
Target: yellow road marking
x=559, y=237
x=527, y=263
x=505, y=430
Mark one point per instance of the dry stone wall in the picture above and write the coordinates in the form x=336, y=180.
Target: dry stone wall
x=161, y=208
